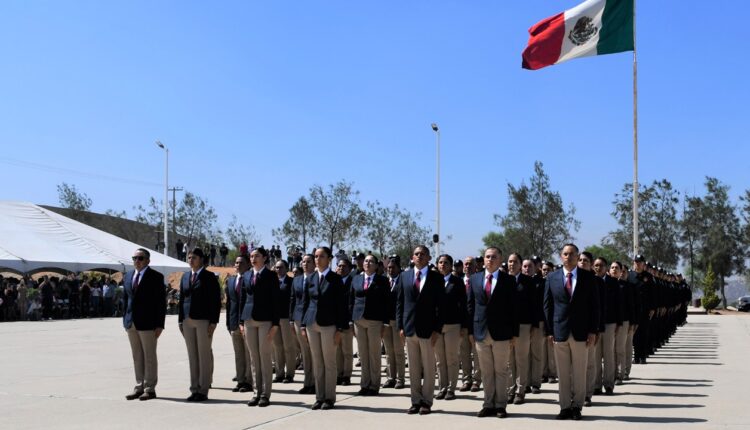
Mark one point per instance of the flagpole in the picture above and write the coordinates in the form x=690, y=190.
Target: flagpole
x=635, y=141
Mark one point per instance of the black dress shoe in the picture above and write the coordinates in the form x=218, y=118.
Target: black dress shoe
x=346, y=381
x=193, y=397
x=450, y=395
x=597, y=391
x=440, y=395
x=254, y=401
x=609, y=391
x=553, y=380
x=339, y=380
x=564, y=414
x=245, y=387
x=147, y=396
x=236, y=389
x=425, y=410
x=475, y=388
x=200, y=397
x=502, y=413
x=278, y=379
x=413, y=410
x=304, y=390
x=391, y=383
x=373, y=392
x=327, y=405
x=400, y=385
x=289, y=379
x=317, y=405
x=587, y=402
x=486, y=412
x=234, y=379
x=263, y=402
x=519, y=400
x=545, y=380
x=134, y=395
x=576, y=414
x=363, y=391
x=465, y=387
x=536, y=390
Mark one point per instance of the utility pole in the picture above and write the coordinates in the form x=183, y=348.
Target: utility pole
x=174, y=210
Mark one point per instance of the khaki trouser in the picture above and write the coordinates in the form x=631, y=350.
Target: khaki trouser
x=368, y=347
x=285, y=349
x=606, y=351
x=323, y=351
x=620, y=343
x=421, y=370
x=260, y=347
x=345, y=354
x=307, y=363
x=493, y=359
x=591, y=365
x=446, y=357
x=394, y=350
x=143, y=347
x=520, y=361
x=198, y=344
x=628, y=352
x=242, y=363
x=467, y=355
x=538, y=356
x=550, y=368
x=571, y=357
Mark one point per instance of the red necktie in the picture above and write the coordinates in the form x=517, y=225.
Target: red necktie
x=137, y=281
x=488, y=286
x=569, y=284
x=367, y=282
x=252, y=280
x=237, y=286
x=192, y=278
x=418, y=281
x=468, y=285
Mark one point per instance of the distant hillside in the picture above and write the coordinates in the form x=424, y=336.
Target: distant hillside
x=134, y=231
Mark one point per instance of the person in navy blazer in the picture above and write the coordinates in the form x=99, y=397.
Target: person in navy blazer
x=199, y=309
x=492, y=309
x=326, y=317
x=284, y=344
x=300, y=285
x=394, y=343
x=453, y=313
x=234, y=288
x=369, y=296
x=571, y=305
x=520, y=354
x=144, y=296
x=421, y=291
x=260, y=321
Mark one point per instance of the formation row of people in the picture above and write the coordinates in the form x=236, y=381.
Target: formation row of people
x=507, y=329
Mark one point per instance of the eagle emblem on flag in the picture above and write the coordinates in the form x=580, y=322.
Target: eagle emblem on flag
x=583, y=31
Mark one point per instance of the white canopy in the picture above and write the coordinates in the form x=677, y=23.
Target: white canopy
x=33, y=238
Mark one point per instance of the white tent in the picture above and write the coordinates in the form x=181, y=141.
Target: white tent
x=34, y=238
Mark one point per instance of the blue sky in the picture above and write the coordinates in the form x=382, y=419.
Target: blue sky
x=258, y=101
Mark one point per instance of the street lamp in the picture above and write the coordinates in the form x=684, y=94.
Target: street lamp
x=166, y=194
x=436, y=237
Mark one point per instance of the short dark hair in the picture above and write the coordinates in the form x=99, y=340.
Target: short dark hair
x=572, y=245
x=395, y=260
x=373, y=256
x=603, y=259
x=325, y=249
x=423, y=248
x=588, y=255
x=243, y=257
x=198, y=252
x=493, y=247
x=262, y=251
x=450, y=259
x=517, y=255
x=145, y=252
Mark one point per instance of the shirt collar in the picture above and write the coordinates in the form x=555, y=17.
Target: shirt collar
x=494, y=274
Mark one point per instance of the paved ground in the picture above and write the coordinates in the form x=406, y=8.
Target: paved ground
x=74, y=374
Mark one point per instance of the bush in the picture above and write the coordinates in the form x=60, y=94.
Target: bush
x=710, y=300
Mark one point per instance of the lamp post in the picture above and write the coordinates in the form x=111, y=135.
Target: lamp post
x=436, y=238
x=166, y=195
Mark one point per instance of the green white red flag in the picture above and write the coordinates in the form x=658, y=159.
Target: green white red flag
x=594, y=27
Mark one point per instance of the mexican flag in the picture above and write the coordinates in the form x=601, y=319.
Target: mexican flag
x=594, y=27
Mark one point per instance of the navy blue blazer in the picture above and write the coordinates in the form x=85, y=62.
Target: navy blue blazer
x=147, y=307
x=393, y=297
x=200, y=300
x=234, y=302
x=576, y=316
x=285, y=294
x=525, y=292
x=420, y=313
x=325, y=302
x=373, y=303
x=260, y=300
x=297, y=297
x=611, y=308
x=453, y=305
x=497, y=316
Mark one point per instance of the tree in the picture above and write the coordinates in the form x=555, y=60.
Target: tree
x=299, y=228
x=721, y=242
x=537, y=222
x=340, y=221
x=69, y=197
x=658, y=226
x=608, y=252
x=709, y=300
x=409, y=234
x=381, y=226
x=746, y=218
x=237, y=233
x=195, y=218
x=116, y=213
x=691, y=225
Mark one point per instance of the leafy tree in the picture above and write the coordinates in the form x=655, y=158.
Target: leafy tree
x=382, y=226
x=195, y=218
x=116, y=213
x=658, y=226
x=721, y=244
x=710, y=300
x=69, y=197
x=299, y=228
x=609, y=252
x=691, y=226
x=237, y=233
x=340, y=220
x=536, y=222
x=409, y=234
x=745, y=198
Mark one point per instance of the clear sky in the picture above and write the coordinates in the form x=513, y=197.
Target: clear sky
x=258, y=101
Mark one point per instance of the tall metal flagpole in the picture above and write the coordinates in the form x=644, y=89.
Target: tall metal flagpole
x=635, y=140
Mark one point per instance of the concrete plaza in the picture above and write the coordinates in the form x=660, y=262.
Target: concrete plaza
x=74, y=374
